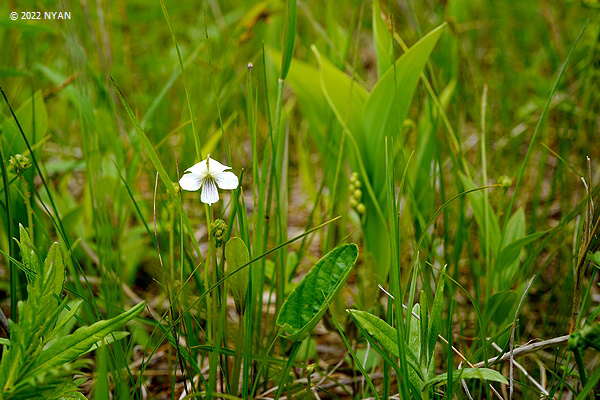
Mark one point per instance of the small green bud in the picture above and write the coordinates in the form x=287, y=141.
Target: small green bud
x=408, y=124
x=351, y=187
x=361, y=209
x=354, y=176
x=217, y=229
x=357, y=184
x=352, y=202
x=505, y=181
x=357, y=194
x=19, y=163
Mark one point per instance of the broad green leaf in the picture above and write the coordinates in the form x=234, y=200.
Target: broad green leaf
x=306, y=82
x=389, y=101
x=108, y=339
x=345, y=96
x=486, y=374
x=368, y=358
x=476, y=199
x=385, y=334
x=382, y=39
x=499, y=306
x=510, y=253
x=414, y=335
x=68, y=348
x=423, y=329
x=310, y=299
x=236, y=255
x=515, y=227
x=30, y=260
x=436, y=316
x=377, y=240
x=54, y=262
x=66, y=321
x=374, y=328
x=307, y=350
x=288, y=38
x=594, y=257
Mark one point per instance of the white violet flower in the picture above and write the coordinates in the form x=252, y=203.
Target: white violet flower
x=208, y=174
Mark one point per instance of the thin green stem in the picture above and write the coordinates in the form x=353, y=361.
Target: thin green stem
x=9, y=222
x=286, y=369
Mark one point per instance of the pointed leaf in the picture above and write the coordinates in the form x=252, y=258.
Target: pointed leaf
x=469, y=373
x=389, y=101
x=515, y=227
x=436, y=315
x=382, y=39
x=236, y=255
x=68, y=348
x=310, y=299
x=346, y=97
x=510, y=253
x=28, y=255
x=288, y=38
x=374, y=328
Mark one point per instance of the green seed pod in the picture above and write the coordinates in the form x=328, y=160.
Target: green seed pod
x=361, y=209
x=357, y=194
x=352, y=202
x=354, y=176
x=351, y=187
x=357, y=184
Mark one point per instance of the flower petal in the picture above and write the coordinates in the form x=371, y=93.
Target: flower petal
x=215, y=167
x=227, y=180
x=198, y=169
x=209, y=192
x=190, y=182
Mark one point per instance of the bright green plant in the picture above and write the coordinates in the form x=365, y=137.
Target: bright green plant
x=368, y=117
x=40, y=360
x=309, y=301
x=419, y=344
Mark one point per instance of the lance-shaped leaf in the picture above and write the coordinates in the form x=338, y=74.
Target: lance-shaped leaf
x=236, y=255
x=384, y=333
x=374, y=328
x=436, y=315
x=310, y=299
x=389, y=101
x=382, y=39
x=345, y=96
x=469, y=373
x=68, y=348
x=289, y=38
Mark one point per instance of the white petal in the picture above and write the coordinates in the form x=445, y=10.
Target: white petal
x=227, y=180
x=190, y=182
x=215, y=167
x=209, y=192
x=198, y=169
